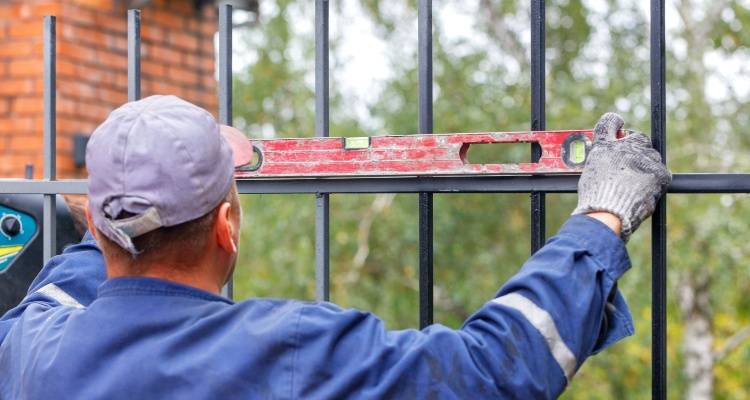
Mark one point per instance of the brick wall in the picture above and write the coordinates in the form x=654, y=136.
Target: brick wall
x=177, y=58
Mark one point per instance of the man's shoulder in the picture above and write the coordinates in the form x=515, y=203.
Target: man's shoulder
x=37, y=316
x=284, y=305
x=305, y=312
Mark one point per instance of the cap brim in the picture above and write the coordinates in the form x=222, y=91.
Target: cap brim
x=241, y=147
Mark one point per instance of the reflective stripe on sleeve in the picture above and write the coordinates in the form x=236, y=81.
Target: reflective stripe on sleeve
x=59, y=295
x=542, y=321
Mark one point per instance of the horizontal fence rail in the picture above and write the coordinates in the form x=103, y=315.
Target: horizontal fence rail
x=686, y=183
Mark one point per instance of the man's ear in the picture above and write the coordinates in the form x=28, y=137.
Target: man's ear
x=90, y=221
x=224, y=228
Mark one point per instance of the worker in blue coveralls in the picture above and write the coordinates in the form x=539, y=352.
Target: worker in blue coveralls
x=164, y=218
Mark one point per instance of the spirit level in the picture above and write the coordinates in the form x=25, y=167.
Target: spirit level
x=563, y=152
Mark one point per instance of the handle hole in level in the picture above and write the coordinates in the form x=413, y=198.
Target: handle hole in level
x=254, y=162
x=496, y=153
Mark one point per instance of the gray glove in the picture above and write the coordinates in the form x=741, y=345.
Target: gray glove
x=624, y=177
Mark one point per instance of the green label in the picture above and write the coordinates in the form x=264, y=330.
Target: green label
x=360, y=142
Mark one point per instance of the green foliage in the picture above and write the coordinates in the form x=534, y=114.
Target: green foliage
x=597, y=60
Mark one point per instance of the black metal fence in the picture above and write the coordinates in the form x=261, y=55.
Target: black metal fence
x=536, y=185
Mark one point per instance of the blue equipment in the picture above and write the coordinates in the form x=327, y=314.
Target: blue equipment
x=21, y=243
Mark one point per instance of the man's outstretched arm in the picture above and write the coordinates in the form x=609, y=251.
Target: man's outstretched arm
x=529, y=341
x=526, y=343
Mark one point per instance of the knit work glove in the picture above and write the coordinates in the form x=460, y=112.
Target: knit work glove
x=624, y=177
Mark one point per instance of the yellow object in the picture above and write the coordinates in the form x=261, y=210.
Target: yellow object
x=8, y=251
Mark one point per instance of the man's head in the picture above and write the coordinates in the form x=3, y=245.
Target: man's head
x=162, y=200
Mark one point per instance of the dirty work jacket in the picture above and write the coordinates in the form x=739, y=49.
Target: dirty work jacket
x=79, y=336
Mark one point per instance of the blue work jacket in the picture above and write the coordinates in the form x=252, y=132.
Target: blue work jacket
x=78, y=335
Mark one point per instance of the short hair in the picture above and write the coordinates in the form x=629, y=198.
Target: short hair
x=180, y=243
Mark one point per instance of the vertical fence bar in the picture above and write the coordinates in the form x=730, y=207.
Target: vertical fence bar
x=538, y=213
x=659, y=220
x=322, y=216
x=49, y=213
x=225, y=87
x=424, y=18
x=134, y=55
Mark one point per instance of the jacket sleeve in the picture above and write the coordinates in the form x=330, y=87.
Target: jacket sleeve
x=528, y=342
x=69, y=279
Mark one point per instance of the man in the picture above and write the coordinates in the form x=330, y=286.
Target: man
x=164, y=211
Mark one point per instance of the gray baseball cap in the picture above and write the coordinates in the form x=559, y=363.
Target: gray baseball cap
x=159, y=162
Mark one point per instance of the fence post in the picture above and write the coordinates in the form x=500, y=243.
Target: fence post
x=322, y=200
x=225, y=88
x=538, y=98
x=49, y=213
x=426, y=273
x=659, y=219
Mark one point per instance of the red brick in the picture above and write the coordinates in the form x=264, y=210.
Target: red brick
x=117, y=43
x=93, y=74
x=39, y=10
x=208, y=12
x=113, y=97
x=12, y=165
x=193, y=25
x=203, y=97
x=168, y=19
x=161, y=87
x=112, y=60
x=207, y=63
x=165, y=55
x=152, y=68
x=14, y=87
x=192, y=61
x=73, y=14
x=26, y=68
x=8, y=11
x=20, y=49
x=208, y=81
x=184, y=76
x=183, y=40
x=80, y=34
x=77, y=89
x=94, y=112
x=182, y=7
x=118, y=24
x=4, y=106
x=92, y=3
x=76, y=51
x=65, y=105
x=26, y=143
x=66, y=68
x=152, y=33
x=27, y=105
x=26, y=29
x=68, y=125
x=209, y=28
x=16, y=124
x=120, y=81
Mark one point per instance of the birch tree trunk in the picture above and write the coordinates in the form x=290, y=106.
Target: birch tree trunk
x=697, y=340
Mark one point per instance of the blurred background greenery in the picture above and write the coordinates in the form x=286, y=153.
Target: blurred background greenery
x=597, y=60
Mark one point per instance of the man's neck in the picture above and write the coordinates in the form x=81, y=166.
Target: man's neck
x=196, y=277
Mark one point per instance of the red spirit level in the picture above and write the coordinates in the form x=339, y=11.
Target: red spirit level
x=415, y=155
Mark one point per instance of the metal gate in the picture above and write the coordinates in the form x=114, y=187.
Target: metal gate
x=426, y=187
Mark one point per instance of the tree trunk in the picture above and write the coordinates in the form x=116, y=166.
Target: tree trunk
x=697, y=340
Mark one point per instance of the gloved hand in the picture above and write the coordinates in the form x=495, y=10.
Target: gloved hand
x=624, y=177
